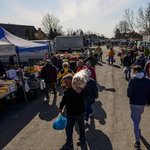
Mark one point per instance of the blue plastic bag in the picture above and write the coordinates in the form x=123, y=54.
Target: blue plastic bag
x=60, y=123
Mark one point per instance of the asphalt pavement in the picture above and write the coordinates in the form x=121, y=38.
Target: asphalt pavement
x=110, y=128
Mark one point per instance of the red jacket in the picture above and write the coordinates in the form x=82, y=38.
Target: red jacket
x=93, y=73
x=147, y=68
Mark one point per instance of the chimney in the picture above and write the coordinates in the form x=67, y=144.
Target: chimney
x=39, y=34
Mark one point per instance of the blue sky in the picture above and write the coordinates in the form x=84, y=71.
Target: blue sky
x=99, y=16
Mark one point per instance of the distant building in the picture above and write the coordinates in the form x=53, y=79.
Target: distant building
x=133, y=36
x=19, y=30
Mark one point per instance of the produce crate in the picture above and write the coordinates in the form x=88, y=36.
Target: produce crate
x=34, y=83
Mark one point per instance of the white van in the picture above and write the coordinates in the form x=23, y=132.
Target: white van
x=143, y=43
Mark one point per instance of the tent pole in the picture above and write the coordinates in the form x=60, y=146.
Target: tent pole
x=23, y=85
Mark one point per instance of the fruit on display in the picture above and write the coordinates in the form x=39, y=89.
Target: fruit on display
x=5, y=88
x=8, y=82
x=30, y=70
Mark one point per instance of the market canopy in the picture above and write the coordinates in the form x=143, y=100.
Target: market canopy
x=21, y=45
x=7, y=49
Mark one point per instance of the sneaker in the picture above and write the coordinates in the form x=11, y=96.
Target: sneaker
x=80, y=141
x=108, y=63
x=137, y=145
x=111, y=63
x=66, y=145
x=85, y=122
x=91, y=115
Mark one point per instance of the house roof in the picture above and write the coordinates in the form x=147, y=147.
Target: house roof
x=133, y=35
x=18, y=30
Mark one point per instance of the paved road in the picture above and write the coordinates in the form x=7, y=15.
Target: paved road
x=110, y=128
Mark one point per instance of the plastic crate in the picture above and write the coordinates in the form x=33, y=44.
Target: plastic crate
x=34, y=83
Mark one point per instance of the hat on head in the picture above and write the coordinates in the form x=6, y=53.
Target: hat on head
x=128, y=52
x=48, y=61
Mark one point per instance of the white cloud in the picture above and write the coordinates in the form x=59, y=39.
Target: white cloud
x=23, y=15
x=94, y=15
x=68, y=10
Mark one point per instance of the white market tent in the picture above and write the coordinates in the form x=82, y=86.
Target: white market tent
x=7, y=49
x=21, y=45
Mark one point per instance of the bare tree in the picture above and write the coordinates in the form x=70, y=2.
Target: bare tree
x=124, y=26
x=129, y=17
x=51, y=25
x=70, y=32
x=143, y=19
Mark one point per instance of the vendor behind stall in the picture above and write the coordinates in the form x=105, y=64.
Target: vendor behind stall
x=54, y=60
x=2, y=69
x=12, y=62
x=69, y=50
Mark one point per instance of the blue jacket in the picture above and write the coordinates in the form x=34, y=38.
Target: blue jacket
x=139, y=89
x=141, y=61
x=54, y=61
x=92, y=86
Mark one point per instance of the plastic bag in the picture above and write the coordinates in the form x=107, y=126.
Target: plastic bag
x=107, y=58
x=114, y=60
x=60, y=123
x=125, y=70
x=80, y=79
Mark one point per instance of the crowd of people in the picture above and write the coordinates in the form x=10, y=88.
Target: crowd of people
x=79, y=102
x=135, y=57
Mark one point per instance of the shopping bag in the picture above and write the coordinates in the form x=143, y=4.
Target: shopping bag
x=107, y=58
x=125, y=70
x=114, y=60
x=80, y=79
x=60, y=123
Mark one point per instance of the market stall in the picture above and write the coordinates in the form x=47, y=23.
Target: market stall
x=21, y=45
x=72, y=59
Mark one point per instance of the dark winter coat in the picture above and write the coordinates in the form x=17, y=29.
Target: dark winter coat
x=139, y=90
x=54, y=61
x=11, y=61
x=140, y=61
x=127, y=61
x=60, y=62
x=49, y=73
x=74, y=101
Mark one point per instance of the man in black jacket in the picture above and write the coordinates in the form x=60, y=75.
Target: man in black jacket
x=127, y=63
x=75, y=105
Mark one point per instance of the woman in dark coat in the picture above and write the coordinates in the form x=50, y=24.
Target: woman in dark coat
x=2, y=69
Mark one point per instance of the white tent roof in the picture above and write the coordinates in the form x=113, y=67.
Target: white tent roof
x=7, y=49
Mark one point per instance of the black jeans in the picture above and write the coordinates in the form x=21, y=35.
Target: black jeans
x=70, y=124
x=48, y=85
